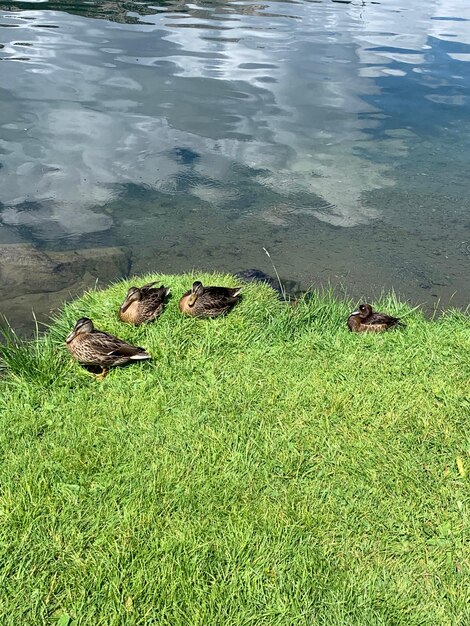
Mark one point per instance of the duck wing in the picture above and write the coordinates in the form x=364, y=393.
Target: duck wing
x=130, y=352
x=382, y=319
x=153, y=301
x=149, y=289
x=158, y=294
x=148, y=286
x=111, y=346
x=221, y=296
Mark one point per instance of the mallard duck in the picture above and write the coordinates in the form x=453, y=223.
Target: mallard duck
x=365, y=320
x=203, y=301
x=96, y=348
x=143, y=304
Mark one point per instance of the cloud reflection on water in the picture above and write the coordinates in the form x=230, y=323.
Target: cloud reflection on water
x=99, y=105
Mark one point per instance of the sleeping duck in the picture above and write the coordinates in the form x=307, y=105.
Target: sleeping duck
x=143, y=304
x=202, y=301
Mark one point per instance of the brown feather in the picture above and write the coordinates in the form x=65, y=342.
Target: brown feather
x=147, y=308
x=104, y=350
x=212, y=302
x=366, y=320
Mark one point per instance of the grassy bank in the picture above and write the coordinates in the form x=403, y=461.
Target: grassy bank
x=267, y=468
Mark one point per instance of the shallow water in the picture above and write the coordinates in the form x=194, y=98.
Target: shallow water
x=334, y=134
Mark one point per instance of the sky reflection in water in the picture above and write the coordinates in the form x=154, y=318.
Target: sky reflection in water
x=273, y=123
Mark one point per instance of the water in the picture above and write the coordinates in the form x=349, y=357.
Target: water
x=138, y=136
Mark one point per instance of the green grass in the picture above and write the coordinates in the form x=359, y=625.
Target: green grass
x=267, y=468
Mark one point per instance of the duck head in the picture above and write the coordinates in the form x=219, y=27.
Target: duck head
x=83, y=326
x=363, y=311
x=133, y=295
x=196, y=291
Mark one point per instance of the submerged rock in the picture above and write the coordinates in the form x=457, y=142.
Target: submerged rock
x=39, y=281
x=288, y=287
x=23, y=269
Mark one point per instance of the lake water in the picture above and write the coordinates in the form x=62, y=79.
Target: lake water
x=139, y=136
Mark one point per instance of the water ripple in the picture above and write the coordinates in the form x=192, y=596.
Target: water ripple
x=286, y=114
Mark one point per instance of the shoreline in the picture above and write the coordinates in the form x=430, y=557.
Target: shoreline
x=67, y=274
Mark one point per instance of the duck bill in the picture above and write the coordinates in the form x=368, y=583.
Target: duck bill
x=354, y=313
x=70, y=336
x=192, y=300
x=125, y=306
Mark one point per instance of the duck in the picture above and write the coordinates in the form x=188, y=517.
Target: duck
x=202, y=301
x=97, y=348
x=143, y=304
x=366, y=320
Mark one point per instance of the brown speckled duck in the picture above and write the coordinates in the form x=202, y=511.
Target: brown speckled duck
x=99, y=349
x=203, y=301
x=143, y=304
x=365, y=320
